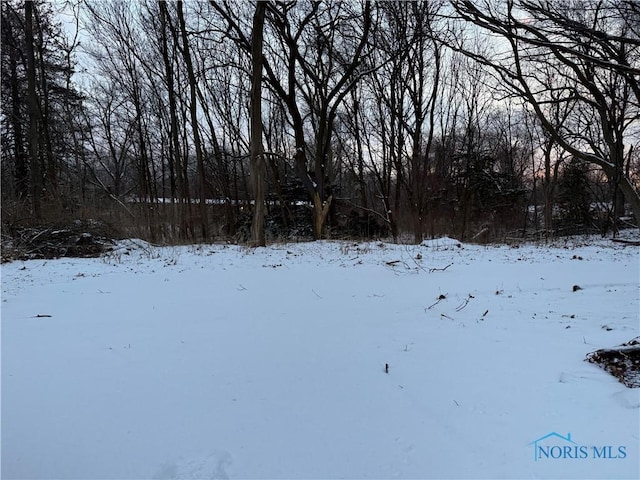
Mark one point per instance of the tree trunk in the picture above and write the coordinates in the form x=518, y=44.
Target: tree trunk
x=34, y=111
x=51, y=172
x=321, y=210
x=177, y=182
x=257, y=157
x=193, y=108
x=630, y=195
x=21, y=168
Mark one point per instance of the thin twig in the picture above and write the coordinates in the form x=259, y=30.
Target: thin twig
x=440, y=298
x=465, y=303
x=418, y=266
x=431, y=270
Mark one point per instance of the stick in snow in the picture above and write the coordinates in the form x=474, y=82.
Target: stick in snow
x=440, y=298
x=465, y=303
x=431, y=270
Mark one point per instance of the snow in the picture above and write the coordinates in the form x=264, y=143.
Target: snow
x=221, y=361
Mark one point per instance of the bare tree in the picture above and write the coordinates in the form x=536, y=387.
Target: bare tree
x=405, y=92
x=319, y=48
x=179, y=181
x=193, y=109
x=593, y=50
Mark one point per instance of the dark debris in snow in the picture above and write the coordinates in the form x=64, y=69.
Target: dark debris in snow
x=623, y=362
x=87, y=238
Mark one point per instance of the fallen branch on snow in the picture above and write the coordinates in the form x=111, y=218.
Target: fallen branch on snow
x=440, y=298
x=431, y=270
x=465, y=303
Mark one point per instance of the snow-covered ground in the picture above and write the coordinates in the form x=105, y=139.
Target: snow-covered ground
x=226, y=362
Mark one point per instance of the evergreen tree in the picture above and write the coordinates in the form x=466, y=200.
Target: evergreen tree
x=39, y=104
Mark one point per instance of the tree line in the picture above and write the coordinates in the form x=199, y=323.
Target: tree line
x=194, y=121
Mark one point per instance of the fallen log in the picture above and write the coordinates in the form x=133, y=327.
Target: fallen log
x=635, y=243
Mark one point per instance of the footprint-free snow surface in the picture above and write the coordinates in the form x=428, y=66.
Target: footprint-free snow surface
x=226, y=362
